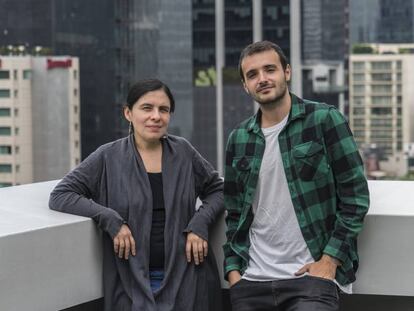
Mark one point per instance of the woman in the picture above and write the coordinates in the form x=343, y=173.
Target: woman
x=142, y=190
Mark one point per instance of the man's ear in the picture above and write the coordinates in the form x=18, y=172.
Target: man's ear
x=245, y=87
x=288, y=73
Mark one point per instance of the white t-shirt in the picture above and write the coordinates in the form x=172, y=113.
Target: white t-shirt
x=277, y=247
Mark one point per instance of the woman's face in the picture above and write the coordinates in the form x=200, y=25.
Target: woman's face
x=150, y=116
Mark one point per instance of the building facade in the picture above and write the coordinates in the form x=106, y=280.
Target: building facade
x=39, y=118
x=238, y=28
x=382, y=106
x=325, y=51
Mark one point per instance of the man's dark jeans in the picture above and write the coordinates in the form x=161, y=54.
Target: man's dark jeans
x=307, y=293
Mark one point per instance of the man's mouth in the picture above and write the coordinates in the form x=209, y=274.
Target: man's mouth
x=264, y=88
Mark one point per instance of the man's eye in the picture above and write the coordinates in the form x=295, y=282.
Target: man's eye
x=250, y=76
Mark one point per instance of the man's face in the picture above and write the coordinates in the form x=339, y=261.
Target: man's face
x=264, y=77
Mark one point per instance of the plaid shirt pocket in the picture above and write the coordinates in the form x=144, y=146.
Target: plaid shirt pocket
x=311, y=162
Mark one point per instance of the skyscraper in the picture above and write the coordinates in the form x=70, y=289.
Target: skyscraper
x=325, y=50
x=382, y=21
x=237, y=105
x=128, y=40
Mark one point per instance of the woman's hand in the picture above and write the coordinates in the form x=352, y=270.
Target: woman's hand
x=197, y=247
x=124, y=243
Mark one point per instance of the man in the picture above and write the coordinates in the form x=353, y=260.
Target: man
x=295, y=193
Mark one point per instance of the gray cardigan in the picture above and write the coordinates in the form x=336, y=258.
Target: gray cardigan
x=111, y=186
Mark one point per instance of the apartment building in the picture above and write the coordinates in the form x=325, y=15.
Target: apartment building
x=382, y=103
x=39, y=118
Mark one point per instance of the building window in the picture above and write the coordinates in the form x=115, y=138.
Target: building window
x=15, y=75
x=77, y=161
x=359, y=89
x=76, y=127
x=359, y=111
x=16, y=131
x=381, y=88
x=5, y=149
x=381, y=100
x=75, y=74
x=5, y=168
x=359, y=77
x=16, y=112
x=17, y=168
x=4, y=74
x=359, y=100
x=358, y=65
x=381, y=65
x=17, y=149
x=381, y=111
x=399, y=65
x=16, y=93
x=381, y=123
x=75, y=109
x=381, y=77
x=76, y=144
x=359, y=134
x=359, y=122
x=5, y=131
x=4, y=112
x=5, y=184
x=399, y=76
x=4, y=93
x=27, y=74
x=75, y=92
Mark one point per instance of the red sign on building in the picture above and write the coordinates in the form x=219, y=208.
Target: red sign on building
x=59, y=63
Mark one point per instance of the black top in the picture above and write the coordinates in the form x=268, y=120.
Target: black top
x=158, y=222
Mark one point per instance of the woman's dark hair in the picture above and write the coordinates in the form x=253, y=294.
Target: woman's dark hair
x=259, y=47
x=142, y=87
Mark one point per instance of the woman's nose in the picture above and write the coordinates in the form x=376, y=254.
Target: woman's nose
x=155, y=114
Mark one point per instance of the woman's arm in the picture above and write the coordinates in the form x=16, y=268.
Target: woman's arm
x=76, y=192
x=209, y=188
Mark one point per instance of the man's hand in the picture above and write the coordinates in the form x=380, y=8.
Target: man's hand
x=124, y=243
x=233, y=277
x=197, y=247
x=323, y=268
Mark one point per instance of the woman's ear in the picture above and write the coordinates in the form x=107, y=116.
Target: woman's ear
x=127, y=113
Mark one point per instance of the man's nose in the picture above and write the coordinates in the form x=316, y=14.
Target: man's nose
x=262, y=77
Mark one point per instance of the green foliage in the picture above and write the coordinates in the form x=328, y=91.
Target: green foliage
x=406, y=50
x=408, y=176
x=363, y=49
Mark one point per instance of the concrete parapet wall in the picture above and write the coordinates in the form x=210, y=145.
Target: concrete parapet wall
x=51, y=261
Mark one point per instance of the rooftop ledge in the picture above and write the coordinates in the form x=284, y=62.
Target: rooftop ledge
x=46, y=254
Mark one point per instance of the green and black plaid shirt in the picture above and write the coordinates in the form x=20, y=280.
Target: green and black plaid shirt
x=325, y=177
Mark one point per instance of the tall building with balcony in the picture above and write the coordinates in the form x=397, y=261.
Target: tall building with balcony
x=381, y=103
x=39, y=118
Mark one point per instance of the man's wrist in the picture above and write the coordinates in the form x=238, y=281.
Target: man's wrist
x=333, y=260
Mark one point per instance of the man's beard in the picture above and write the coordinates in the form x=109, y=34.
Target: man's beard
x=276, y=99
